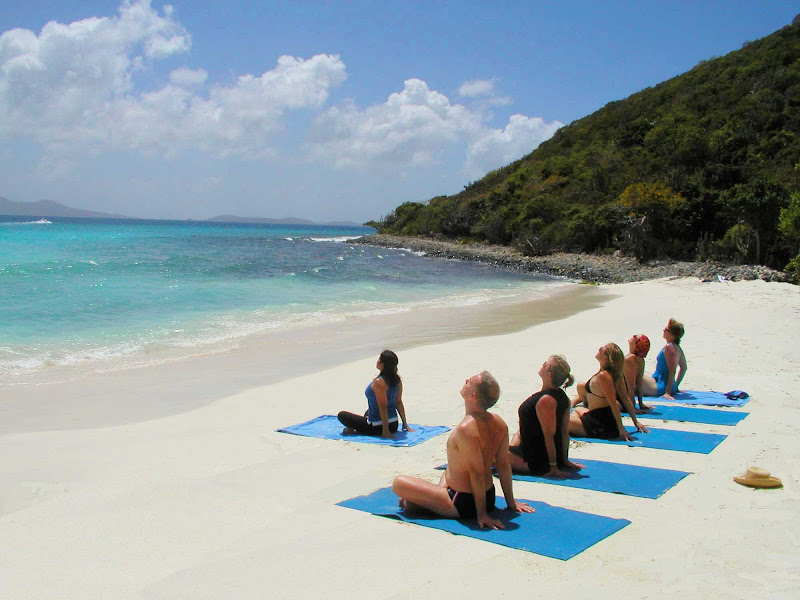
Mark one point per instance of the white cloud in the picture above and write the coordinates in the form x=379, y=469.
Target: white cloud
x=52, y=86
x=417, y=126
x=188, y=77
x=497, y=147
x=237, y=119
x=411, y=127
x=483, y=92
x=476, y=87
x=70, y=88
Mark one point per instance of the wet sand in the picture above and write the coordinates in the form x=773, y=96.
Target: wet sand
x=73, y=397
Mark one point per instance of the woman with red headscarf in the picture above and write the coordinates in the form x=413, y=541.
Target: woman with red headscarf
x=633, y=368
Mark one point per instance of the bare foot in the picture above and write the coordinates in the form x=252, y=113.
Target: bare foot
x=408, y=506
x=349, y=431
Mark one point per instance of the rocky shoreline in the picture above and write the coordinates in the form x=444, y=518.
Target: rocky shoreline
x=590, y=268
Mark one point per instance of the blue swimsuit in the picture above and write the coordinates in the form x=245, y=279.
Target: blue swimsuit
x=662, y=375
x=373, y=412
x=370, y=422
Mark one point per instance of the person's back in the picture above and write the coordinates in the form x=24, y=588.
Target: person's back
x=632, y=372
x=532, y=441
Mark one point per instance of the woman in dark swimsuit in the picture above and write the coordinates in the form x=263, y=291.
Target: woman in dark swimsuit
x=541, y=446
x=602, y=418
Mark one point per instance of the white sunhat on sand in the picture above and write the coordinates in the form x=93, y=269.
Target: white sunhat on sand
x=758, y=478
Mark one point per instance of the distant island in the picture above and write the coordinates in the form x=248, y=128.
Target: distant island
x=48, y=208
x=286, y=221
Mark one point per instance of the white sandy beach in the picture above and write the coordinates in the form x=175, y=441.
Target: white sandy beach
x=213, y=503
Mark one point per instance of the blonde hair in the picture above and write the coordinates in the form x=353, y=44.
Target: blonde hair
x=488, y=390
x=616, y=360
x=560, y=371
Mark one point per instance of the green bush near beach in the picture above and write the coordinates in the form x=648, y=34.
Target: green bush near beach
x=700, y=166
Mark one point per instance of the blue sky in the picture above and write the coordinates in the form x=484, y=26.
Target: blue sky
x=321, y=110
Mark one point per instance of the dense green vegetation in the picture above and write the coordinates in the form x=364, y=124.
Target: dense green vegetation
x=704, y=165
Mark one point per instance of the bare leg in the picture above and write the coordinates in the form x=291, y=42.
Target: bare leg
x=418, y=493
x=518, y=465
x=581, y=397
x=575, y=424
x=649, y=386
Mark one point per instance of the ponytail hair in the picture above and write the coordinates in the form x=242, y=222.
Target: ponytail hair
x=560, y=371
x=389, y=361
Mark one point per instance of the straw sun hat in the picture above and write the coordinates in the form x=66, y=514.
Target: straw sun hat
x=758, y=478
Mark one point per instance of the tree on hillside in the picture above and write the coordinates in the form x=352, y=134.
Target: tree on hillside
x=649, y=208
x=789, y=227
x=758, y=204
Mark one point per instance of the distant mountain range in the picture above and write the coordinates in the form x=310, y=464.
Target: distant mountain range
x=48, y=208
x=286, y=221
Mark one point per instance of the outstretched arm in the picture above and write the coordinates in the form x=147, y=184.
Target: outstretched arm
x=681, y=369
x=628, y=404
x=401, y=409
x=633, y=372
x=637, y=384
x=546, y=412
x=672, y=365
x=565, y=442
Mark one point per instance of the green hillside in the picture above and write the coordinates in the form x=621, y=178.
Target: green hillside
x=704, y=165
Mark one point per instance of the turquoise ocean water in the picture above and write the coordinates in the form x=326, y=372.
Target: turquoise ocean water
x=102, y=292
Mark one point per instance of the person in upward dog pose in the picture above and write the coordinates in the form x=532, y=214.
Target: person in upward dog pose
x=670, y=364
x=384, y=402
x=602, y=419
x=466, y=489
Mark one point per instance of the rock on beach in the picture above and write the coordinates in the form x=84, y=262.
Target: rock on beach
x=590, y=268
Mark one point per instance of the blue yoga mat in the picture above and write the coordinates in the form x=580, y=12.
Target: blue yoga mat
x=328, y=427
x=667, y=439
x=733, y=398
x=550, y=531
x=709, y=416
x=617, y=478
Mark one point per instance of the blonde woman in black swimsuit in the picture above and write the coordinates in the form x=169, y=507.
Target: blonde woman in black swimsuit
x=602, y=418
x=541, y=446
